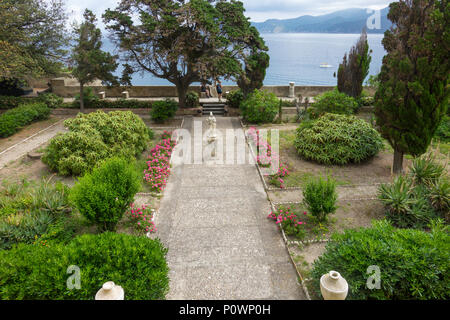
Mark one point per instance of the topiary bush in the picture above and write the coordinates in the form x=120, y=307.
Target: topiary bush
x=337, y=139
x=138, y=264
x=320, y=197
x=15, y=119
x=192, y=99
x=333, y=102
x=103, y=195
x=235, y=98
x=413, y=264
x=163, y=110
x=96, y=136
x=260, y=107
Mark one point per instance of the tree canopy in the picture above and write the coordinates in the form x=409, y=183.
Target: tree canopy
x=413, y=92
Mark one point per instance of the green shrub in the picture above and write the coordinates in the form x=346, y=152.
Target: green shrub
x=260, y=107
x=15, y=119
x=337, y=139
x=413, y=264
x=89, y=97
x=163, y=110
x=10, y=102
x=443, y=131
x=235, y=98
x=333, y=102
x=320, y=197
x=112, y=104
x=413, y=201
x=138, y=264
x=192, y=99
x=103, y=195
x=96, y=136
x=51, y=100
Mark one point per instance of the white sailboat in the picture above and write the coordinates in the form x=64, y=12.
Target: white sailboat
x=325, y=64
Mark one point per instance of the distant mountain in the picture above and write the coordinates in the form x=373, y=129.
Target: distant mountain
x=344, y=21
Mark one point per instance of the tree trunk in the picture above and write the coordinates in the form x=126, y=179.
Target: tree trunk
x=398, y=162
x=82, y=97
x=182, y=91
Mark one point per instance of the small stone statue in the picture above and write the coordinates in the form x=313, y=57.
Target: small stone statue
x=212, y=127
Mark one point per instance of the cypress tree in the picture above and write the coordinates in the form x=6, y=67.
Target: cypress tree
x=412, y=96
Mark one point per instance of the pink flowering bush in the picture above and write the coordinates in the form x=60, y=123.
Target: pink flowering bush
x=278, y=179
x=158, y=163
x=289, y=220
x=141, y=218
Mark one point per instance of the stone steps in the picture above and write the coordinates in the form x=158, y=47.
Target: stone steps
x=215, y=108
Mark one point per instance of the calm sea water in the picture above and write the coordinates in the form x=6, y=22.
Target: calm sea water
x=297, y=57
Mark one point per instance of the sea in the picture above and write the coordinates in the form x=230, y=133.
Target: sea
x=296, y=57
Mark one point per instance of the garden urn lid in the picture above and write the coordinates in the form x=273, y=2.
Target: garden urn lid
x=110, y=291
x=333, y=286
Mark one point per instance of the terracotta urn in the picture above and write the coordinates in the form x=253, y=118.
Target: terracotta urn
x=333, y=286
x=110, y=291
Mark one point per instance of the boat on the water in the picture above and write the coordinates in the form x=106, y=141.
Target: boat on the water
x=325, y=65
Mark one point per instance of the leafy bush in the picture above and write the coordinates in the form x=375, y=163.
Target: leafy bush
x=15, y=119
x=30, y=213
x=51, y=100
x=413, y=201
x=333, y=102
x=10, y=102
x=443, y=131
x=192, y=99
x=103, y=195
x=96, y=136
x=290, y=222
x=260, y=107
x=320, y=197
x=89, y=97
x=337, y=139
x=163, y=110
x=414, y=264
x=138, y=264
x=235, y=98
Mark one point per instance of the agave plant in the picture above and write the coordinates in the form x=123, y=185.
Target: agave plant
x=440, y=195
x=426, y=170
x=397, y=197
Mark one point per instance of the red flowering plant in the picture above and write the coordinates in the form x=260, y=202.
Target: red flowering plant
x=158, y=163
x=278, y=179
x=141, y=218
x=290, y=221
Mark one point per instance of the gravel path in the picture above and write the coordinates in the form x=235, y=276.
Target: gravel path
x=213, y=219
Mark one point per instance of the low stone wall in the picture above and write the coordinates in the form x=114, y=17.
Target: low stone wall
x=68, y=88
x=143, y=112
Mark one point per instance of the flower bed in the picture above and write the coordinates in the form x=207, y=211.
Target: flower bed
x=290, y=221
x=141, y=218
x=158, y=163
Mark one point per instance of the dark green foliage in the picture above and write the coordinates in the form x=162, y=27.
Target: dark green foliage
x=443, y=131
x=412, y=96
x=333, y=102
x=192, y=99
x=255, y=70
x=89, y=98
x=138, y=264
x=260, y=107
x=34, y=213
x=111, y=104
x=15, y=119
x=163, y=110
x=413, y=264
x=413, y=201
x=103, y=195
x=96, y=136
x=320, y=197
x=337, y=139
x=49, y=99
x=354, y=70
x=234, y=98
x=90, y=61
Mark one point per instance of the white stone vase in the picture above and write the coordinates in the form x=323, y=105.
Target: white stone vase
x=333, y=286
x=110, y=291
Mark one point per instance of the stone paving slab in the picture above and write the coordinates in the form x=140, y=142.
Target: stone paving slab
x=213, y=219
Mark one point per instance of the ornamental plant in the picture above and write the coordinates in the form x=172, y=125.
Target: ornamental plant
x=141, y=218
x=15, y=119
x=278, y=179
x=158, y=164
x=163, y=110
x=333, y=102
x=264, y=153
x=289, y=221
x=260, y=107
x=320, y=197
x=103, y=195
x=337, y=139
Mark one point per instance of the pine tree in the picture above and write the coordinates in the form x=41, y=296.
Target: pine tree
x=412, y=96
x=89, y=61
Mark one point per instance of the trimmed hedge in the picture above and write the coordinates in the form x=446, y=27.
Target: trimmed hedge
x=260, y=107
x=333, y=102
x=96, y=136
x=163, y=110
x=138, y=264
x=15, y=119
x=337, y=139
x=120, y=103
x=413, y=264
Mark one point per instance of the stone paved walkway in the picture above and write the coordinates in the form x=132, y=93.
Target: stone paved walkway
x=213, y=219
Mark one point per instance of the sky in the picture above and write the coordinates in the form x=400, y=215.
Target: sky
x=257, y=10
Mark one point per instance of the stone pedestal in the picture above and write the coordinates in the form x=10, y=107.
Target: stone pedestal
x=291, y=89
x=126, y=95
x=333, y=286
x=110, y=291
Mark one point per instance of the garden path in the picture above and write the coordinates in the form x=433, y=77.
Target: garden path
x=213, y=219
